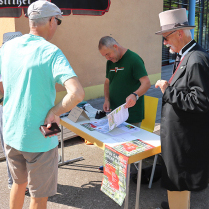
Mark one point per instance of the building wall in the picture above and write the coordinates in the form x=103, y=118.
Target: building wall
x=6, y=25
x=132, y=23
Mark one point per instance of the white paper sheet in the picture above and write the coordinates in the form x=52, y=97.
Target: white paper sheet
x=113, y=141
x=117, y=116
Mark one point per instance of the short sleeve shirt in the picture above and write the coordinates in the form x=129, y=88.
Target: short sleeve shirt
x=30, y=66
x=124, y=78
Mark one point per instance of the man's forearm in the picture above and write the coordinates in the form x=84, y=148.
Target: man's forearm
x=145, y=85
x=67, y=104
x=1, y=89
x=75, y=94
x=142, y=89
x=106, y=91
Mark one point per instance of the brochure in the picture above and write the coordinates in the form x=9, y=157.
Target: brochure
x=114, y=119
x=132, y=147
x=117, y=116
x=114, y=178
x=89, y=126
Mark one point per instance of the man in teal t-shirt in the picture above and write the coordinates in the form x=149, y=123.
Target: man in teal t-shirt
x=126, y=79
x=30, y=67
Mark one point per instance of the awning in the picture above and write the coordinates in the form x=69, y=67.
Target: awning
x=14, y=8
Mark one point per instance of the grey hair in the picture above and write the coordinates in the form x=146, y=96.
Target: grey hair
x=187, y=33
x=39, y=21
x=107, y=41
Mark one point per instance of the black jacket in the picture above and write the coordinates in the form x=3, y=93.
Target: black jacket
x=185, y=125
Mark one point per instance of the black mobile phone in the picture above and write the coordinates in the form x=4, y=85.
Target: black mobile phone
x=54, y=129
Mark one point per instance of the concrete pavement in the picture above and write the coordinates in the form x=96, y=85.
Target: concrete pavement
x=79, y=184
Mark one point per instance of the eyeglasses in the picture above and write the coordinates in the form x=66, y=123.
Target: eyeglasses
x=58, y=21
x=165, y=38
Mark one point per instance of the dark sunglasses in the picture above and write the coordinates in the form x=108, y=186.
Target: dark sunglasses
x=165, y=38
x=58, y=21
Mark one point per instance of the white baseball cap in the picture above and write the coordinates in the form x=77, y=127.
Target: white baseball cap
x=41, y=9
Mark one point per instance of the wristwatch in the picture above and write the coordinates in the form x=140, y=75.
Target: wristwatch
x=137, y=97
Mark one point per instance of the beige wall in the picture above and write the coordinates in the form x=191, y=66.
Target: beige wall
x=6, y=25
x=132, y=23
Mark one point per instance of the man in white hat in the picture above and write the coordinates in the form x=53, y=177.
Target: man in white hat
x=185, y=112
x=30, y=66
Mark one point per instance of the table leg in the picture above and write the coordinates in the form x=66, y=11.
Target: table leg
x=138, y=184
x=127, y=186
x=153, y=171
x=62, y=153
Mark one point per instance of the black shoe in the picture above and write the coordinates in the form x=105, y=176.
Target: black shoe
x=164, y=205
x=101, y=168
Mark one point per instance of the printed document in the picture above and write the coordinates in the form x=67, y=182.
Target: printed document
x=114, y=119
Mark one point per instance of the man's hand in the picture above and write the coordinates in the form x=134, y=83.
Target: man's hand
x=106, y=106
x=162, y=84
x=130, y=101
x=51, y=118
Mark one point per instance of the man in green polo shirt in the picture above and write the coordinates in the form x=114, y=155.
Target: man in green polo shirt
x=126, y=79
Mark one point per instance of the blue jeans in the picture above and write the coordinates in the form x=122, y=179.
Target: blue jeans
x=10, y=180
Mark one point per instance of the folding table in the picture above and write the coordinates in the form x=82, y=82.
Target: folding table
x=99, y=140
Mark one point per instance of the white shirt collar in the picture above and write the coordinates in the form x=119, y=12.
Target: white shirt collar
x=182, y=55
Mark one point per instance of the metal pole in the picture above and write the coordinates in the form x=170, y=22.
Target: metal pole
x=63, y=162
x=153, y=171
x=138, y=184
x=62, y=145
x=127, y=186
x=184, y=4
x=201, y=22
x=192, y=14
